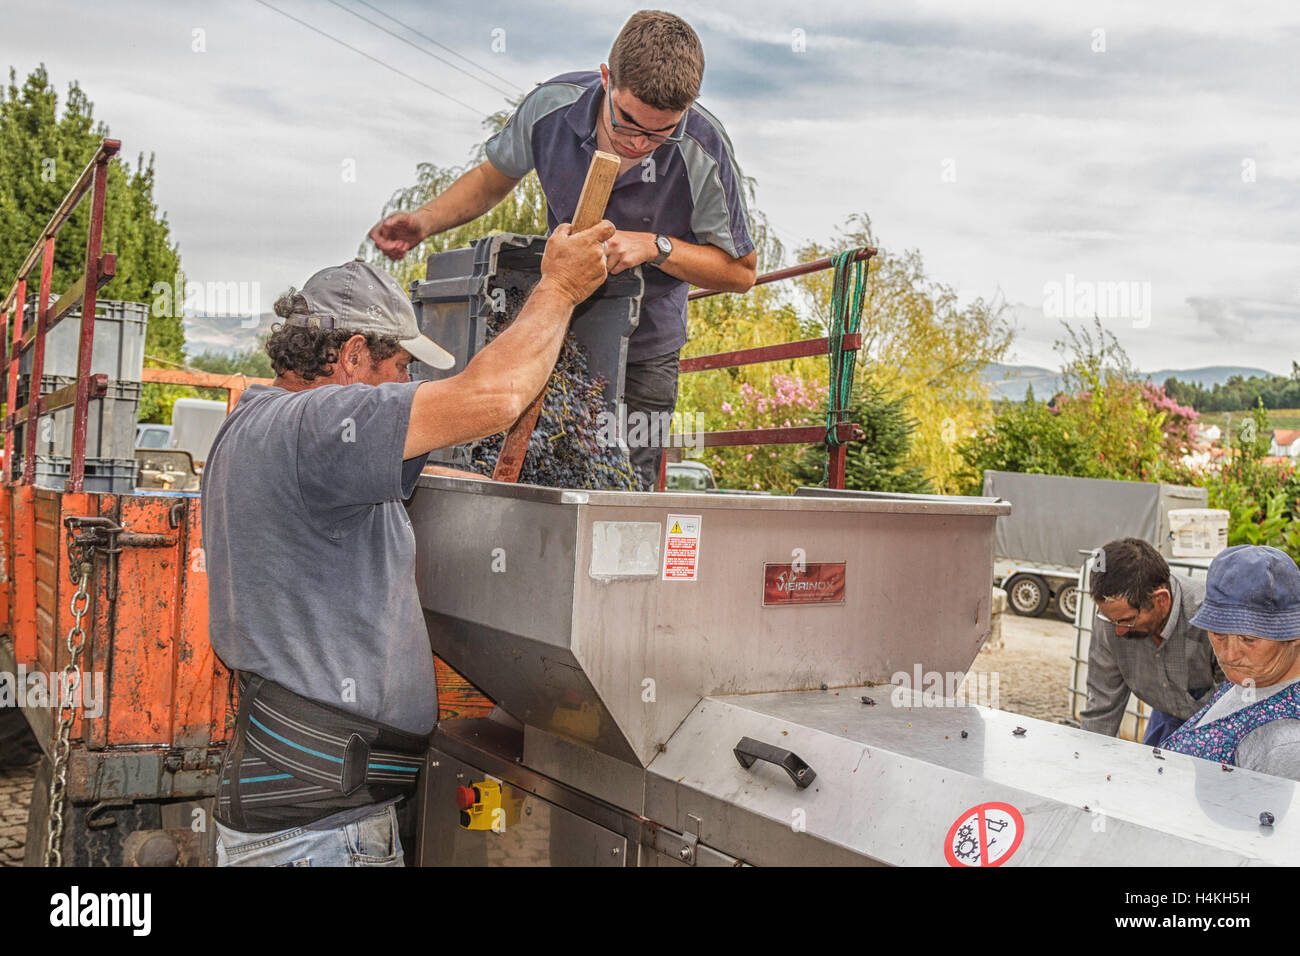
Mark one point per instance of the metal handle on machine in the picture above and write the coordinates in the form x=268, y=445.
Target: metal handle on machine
x=749, y=750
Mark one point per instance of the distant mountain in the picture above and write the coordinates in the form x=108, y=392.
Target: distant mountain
x=224, y=334
x=1209, y=376
x=1010, y=381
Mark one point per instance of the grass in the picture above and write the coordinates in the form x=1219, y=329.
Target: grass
x=1277, y=417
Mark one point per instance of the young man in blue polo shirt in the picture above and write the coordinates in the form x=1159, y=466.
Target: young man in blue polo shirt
x=677, y=204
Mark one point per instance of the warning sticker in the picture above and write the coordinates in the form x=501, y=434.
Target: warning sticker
x=986, y=835
x=682, y=548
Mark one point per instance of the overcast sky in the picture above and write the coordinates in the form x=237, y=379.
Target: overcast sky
x=1029, y=149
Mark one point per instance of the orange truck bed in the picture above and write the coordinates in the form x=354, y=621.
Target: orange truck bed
x=152, y=686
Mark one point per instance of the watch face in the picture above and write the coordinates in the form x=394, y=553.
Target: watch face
x=665, y=245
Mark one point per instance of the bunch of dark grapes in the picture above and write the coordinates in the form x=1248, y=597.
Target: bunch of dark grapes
x=566, y=450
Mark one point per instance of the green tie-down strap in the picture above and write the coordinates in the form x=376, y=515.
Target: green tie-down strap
x=847, y=297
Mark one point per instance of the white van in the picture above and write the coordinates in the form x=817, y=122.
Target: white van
x=195, y=423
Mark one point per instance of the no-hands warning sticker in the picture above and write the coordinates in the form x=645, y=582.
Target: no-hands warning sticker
x=682, y=548
x=985, y=835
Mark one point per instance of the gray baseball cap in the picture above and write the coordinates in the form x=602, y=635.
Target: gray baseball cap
x=358, y=296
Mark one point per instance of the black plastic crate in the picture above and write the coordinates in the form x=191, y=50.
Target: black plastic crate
x=463, y=287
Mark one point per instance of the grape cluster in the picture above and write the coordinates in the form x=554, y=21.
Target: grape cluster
x=565, y=450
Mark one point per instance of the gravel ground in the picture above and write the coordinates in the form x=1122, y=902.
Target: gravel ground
x=1032, y=666
x=15, y=795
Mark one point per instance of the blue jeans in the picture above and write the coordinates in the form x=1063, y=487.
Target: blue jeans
x=1160, y=727
x=372, y=841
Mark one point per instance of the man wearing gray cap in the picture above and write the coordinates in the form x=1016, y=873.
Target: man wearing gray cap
x=1252, y=614
x=311, y=558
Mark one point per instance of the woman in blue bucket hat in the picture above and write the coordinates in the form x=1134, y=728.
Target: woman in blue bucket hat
x=1252, y=614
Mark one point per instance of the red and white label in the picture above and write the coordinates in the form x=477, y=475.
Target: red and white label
x=986, y=835
x=682, y=548
x=819, y=583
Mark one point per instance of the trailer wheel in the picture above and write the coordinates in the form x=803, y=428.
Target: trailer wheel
x=1067, y=602
x=83, y=844
x=18, y=746
x=1028, y=594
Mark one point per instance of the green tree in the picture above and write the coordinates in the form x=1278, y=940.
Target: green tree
x=1259, y=495
x=880, y=461
x=1026, y=437
x=1106, y=423
x=42, y=152
x=253, y=362
x=1105, y=401
x=752, y=396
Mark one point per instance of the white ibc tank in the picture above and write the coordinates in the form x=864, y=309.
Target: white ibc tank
x=1198, y=532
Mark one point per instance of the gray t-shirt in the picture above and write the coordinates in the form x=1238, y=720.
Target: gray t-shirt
x=310, y=554
x=1273, y=747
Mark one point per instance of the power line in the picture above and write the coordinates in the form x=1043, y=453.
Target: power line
x=477, y=112
x=444, y=46
x=495, y=89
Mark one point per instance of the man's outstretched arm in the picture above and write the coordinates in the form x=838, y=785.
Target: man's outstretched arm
x=466, y=199
x=499, y=382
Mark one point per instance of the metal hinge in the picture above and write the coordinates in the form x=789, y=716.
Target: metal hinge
x=86, y=535
x=190, y=758
x=679, y=846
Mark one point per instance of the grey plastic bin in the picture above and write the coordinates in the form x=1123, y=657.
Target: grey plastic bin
x=103, y=475
x=118, y=348
x=110, y=421
x=455, y=300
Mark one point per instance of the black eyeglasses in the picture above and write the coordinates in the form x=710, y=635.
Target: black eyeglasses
x=657, y=138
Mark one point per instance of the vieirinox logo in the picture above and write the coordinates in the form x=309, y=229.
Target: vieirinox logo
x=76, y=909
x=792, y=582
x=803, y=583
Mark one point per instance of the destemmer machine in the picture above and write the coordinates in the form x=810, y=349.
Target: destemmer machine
x=705, y=680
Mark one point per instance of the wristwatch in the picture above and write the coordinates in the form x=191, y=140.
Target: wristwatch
x=665, y=246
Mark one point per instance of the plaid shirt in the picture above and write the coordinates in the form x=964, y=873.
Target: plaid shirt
x=1177, y=677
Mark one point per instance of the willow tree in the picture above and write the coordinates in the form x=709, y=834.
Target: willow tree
x=918, y=344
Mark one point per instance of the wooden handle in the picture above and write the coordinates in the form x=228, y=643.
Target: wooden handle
x=591, y=209
x=510, y=459
x=595, y=191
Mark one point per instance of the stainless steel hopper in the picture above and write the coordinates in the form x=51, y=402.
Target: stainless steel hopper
x=555, y=604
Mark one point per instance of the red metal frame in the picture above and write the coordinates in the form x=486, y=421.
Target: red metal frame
x=234, y=383
x=817, y=265
x=844, y=431
x=84, y=291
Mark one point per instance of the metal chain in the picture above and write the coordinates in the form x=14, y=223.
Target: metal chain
x=69, y=693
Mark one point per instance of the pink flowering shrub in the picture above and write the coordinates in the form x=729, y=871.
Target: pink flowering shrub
x=1178, y=420
x=787, y=402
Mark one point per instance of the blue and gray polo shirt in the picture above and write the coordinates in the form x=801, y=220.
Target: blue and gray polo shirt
x=691, y=192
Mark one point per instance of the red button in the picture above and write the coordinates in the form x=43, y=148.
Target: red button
x=466, y=797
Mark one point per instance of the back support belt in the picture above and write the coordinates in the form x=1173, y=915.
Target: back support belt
x=325, y=745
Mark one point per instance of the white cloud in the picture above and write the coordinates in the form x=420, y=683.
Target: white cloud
x=1114, y=166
